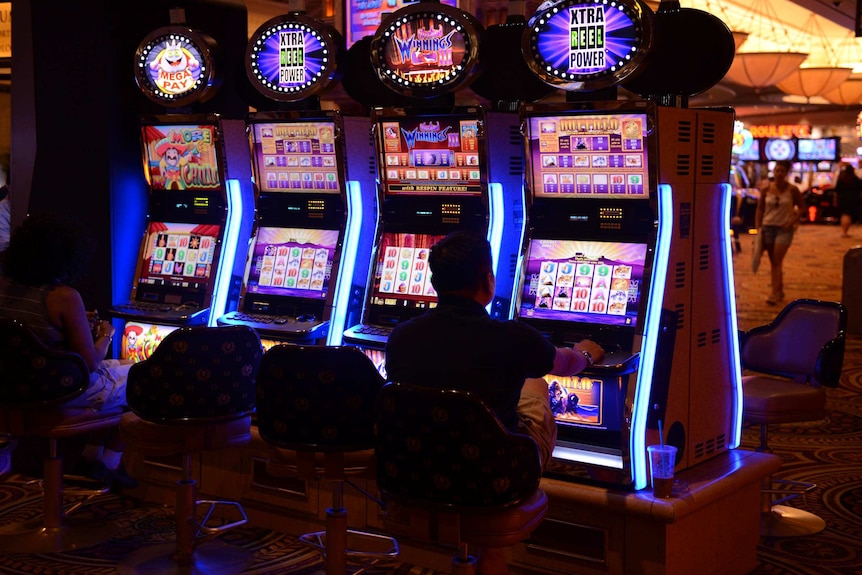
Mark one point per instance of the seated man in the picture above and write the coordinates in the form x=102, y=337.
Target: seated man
x=458, y=345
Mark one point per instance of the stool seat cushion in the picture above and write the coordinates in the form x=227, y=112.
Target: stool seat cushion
x=500, y=527
x=771, y=400
x=180, y=437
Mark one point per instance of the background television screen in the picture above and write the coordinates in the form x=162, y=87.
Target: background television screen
x=816, y=150
x=298, y=156
x=437, y=155
x=362, y=18
x=751, y=152
x=775, y=149
x=181, y=157
x=595, y=154
x=402, y=276
x=178, y=255
x=291, y=262
x=596, y=282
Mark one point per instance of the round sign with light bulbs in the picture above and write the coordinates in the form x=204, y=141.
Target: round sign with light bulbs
x=175, y=66
x=585, y=45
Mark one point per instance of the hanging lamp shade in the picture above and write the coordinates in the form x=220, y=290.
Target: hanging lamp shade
x=739, y=38
x=761, y=69
x=848, y=93
x=810, y=82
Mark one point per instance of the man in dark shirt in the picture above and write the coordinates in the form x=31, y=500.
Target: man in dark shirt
x=457, y=345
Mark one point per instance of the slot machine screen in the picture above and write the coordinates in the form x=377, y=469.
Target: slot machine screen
x=402, y=280
x=181, y=157
x=594, y=154
x=431, y=154
x=585, y=409
x=177, y=256
x=595, y=282
x=296, y=156
x=292, y=262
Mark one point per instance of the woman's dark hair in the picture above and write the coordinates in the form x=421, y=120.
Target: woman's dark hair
x=459, y=261
x=47, y=249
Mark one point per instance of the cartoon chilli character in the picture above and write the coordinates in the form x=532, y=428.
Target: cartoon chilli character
x=174, y=155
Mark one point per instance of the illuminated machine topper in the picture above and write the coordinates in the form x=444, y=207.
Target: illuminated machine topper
x=425, y=50
x=582, y=45
x=291, y=57
x=174, y=66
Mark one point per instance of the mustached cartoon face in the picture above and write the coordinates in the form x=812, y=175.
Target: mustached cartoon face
x=172, y=156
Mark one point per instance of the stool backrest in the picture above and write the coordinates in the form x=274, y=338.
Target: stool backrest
x=443, y=447
x=315, y=398
x=197, y=373
x=31, y=373
x=805, y=342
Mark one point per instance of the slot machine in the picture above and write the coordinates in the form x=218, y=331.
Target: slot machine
x=310, y=231
x=627, y=244
x=434, y=168
x=199, y=206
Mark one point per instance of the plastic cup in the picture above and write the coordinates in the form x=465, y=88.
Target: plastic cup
x=662, y=459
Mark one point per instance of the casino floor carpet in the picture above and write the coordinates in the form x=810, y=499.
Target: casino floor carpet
x=827, y=452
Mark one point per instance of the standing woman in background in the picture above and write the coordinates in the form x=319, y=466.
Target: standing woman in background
x=848, y=186
x=777, y=217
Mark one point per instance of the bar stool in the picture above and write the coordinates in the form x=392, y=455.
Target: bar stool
x=315, y=414
x=195, y=393
x=451, y=473
x=37, y=382
x=788, y=361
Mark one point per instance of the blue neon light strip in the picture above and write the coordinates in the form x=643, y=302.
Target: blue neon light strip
x=349, y=253
x=637, y=445
x=495, y=224
x=732, y=326
x=228, y=251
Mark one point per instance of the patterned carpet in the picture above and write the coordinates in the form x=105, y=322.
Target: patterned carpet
x=826, y=452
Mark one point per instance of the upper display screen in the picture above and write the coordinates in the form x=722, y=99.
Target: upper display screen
x=296, y=156
x=594, y=154
x=178, y=254
x=181, y=157
x=431, y=155
x=583, y=281
x=291, y=262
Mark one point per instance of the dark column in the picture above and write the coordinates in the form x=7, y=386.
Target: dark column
x=75, y=107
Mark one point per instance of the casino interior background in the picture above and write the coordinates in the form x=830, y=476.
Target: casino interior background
x=76, y=107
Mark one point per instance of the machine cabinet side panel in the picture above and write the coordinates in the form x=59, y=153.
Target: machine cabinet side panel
x=676, y=128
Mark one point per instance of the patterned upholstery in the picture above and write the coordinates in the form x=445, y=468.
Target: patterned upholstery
x=317, y=398
x=197, y=373
x=31, y=373
x=447, y=448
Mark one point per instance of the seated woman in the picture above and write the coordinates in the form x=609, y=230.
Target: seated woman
x=46, y=256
